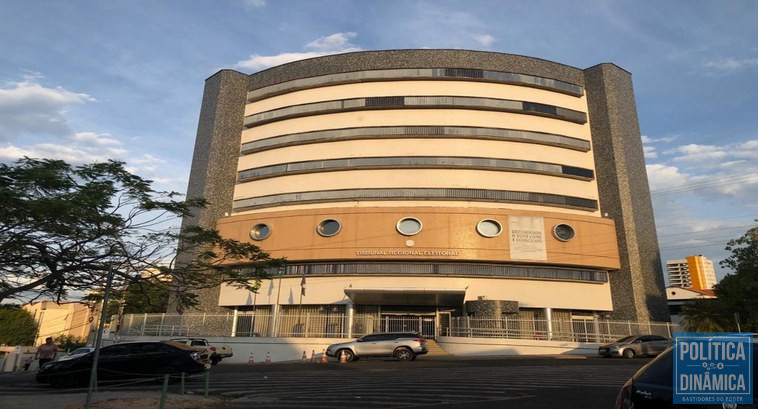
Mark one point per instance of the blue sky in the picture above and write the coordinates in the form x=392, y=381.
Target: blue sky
x=92, y=80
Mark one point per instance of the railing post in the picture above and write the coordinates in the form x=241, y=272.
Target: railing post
x=629, y=323
x=468, y=325
x=131, y=322
x=163, y=317
x=234, y=322
x=144, y=324
x=350, y=318
x=668, y=328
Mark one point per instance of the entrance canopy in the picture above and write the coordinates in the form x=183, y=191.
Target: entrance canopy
x=407, y=296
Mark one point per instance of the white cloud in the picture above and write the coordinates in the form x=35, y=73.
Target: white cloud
x=27, y=107
x=695, y=152
x=730, y=65
x=650, y=152
x=485, y=39
x=332, y=44
x=665, y=139
x=665, y=177
x=255, y=3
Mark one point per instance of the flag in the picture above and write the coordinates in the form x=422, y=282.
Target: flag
x=302, y=286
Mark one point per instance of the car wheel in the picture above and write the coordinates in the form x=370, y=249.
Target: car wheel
x=628, y=353
x=404, y=354
x=349, y=355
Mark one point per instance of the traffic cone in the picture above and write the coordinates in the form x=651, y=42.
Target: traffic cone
x=268, y=358
x=305, y=358
x=251, y=360
x=324, y=359
x=313, y=356
x=343, y=358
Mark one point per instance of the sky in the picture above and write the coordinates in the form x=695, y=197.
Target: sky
x=87, y=81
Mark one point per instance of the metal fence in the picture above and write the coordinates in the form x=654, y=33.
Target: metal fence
x=575, y=330
x=336, y=326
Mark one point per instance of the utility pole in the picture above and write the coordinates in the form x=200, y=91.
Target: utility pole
x=99, y=339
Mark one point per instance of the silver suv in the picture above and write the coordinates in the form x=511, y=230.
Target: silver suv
x=635, y=345
x=404, y=346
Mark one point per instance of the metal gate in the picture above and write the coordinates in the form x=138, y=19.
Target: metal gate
x=423, y=324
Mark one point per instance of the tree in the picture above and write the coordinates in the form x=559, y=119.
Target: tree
x=69, y=343
x=17, y=326
x=63, y=227
x=738, y=290
x=705, y=315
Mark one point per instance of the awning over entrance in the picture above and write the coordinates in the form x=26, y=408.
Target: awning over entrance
x=406, y=296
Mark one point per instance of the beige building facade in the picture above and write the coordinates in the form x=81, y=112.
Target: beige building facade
x=72, y=319
x=431, y=183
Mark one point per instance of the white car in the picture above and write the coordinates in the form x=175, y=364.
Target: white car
x=76, y=353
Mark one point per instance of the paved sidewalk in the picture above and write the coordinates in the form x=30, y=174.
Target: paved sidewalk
x=128, y=400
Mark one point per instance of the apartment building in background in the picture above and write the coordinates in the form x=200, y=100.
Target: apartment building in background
x=73, y=319
x=694, y=272
x=432, y=184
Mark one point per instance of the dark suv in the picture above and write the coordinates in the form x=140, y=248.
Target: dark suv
x=127, y=360
x=404, y=346
x=653, y=386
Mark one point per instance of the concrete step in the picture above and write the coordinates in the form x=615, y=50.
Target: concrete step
x=435, y=349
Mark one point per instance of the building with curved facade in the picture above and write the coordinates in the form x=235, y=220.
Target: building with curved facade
x=432, y=184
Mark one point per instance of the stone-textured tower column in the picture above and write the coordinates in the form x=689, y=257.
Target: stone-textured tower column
x=214, y=164
x=637, y=289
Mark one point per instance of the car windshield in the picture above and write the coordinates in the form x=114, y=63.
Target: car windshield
x=80, y=351
x=627, y=339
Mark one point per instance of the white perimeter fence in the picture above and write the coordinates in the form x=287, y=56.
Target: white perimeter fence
x=336, y=326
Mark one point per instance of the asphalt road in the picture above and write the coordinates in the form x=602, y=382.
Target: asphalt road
x=507, y=382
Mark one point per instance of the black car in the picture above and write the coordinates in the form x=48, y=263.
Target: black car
x=653, y=386
x=123, y=361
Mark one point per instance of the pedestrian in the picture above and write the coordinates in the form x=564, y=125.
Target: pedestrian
x=46, y=352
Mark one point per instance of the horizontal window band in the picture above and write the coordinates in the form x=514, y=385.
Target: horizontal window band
x=455, y=74
x=413, y=162
x=443, y=269
x=480, y=195
x=415, y=131
x=414, y=102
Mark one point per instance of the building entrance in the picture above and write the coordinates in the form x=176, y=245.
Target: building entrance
x=424, y=324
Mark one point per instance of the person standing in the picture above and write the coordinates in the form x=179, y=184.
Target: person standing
x=46, y=352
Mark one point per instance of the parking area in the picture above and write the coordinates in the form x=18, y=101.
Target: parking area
x=528, y=382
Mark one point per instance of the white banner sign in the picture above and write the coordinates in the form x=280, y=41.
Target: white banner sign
x=527, y=238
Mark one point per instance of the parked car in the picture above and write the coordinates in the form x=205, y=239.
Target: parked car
x=635, y=345
x=653, y=386
x=405, y=346
x=214, y=352
x=76, y=353
x=127, y=360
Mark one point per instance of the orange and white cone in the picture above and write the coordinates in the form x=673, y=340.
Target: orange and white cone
x=251, y=360
x=268, y=358
x=343, y=358
x=305, y=358
x=324, y=359
x=313, y=356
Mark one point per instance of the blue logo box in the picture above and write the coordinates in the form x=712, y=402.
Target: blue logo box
x=713, y=368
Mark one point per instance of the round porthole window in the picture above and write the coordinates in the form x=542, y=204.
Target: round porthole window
x=260, y=231
x=409, y=226
x=563, y=232
x=489, y=228
x=329, y=227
